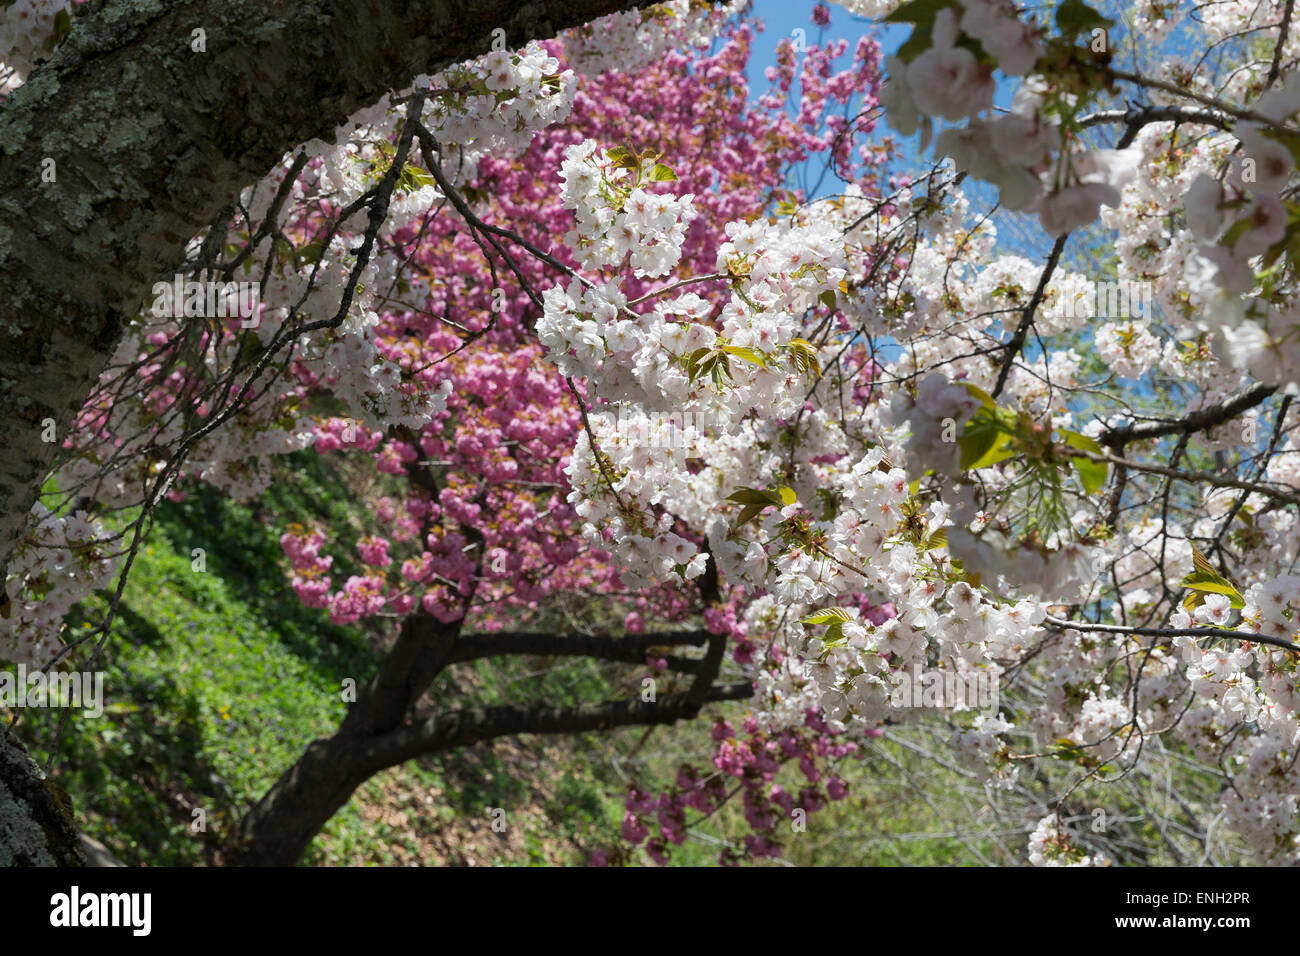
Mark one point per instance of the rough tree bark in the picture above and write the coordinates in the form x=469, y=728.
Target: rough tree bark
x=149, y=140
x=36, y=824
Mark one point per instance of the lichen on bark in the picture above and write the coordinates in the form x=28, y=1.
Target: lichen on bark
x=36, y=821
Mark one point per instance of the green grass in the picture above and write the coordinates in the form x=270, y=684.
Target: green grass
x=215, y=681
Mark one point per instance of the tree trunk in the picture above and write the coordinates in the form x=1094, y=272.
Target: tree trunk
x=128, y=142
x=36, y=824
x=381, y=729
x=278, y=829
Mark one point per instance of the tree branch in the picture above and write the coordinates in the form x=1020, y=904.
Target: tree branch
x=602, y=646
x=1275, y=68
x=464, y=728
x=1027, y=318
x=1210, y=101
x=1199, y=420
x=1138, y=116
x=422, y=650
x=1177, y=632
x=1192, y=477
x=150, y=140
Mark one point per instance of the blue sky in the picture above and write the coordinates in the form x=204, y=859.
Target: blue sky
x=783, y=17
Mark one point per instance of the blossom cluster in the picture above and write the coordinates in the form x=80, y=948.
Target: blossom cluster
x=27, y=33
x=62, y=560
x=754, y=759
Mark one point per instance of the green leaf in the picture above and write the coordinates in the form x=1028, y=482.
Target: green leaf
x=745, y=352
x=921, y=13
x=828, y=616
x=981, y=55
x=662, y=174
x=1081, y=441
x=692, y=362
x=804, y=354
x=1213, y=584
x=1092, y=474
x=1235, y=232
x=985, y=398
x=707, y=367
x=311, y=252
x=623, y=158
x=827, y=299
x=829, y=502
x=62, y=24
x=982, y=448
x=721, y=370
x=413, y=177
x=984, y=441
x=917, y=43
x=918, y=11
x=1075, y=16
x=750, y=496
x=937, y=540
x=755, y=501
x=1201, y=562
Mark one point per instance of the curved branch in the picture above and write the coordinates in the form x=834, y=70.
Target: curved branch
x=1192, y=477
x=1199, y=420
x=1215, y=632
x=602, y=646
x=464, y=728
x=1176, y=90
x=150, y=140
x=1027, y=319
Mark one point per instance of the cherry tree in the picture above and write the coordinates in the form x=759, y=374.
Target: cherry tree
x=905, y=449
